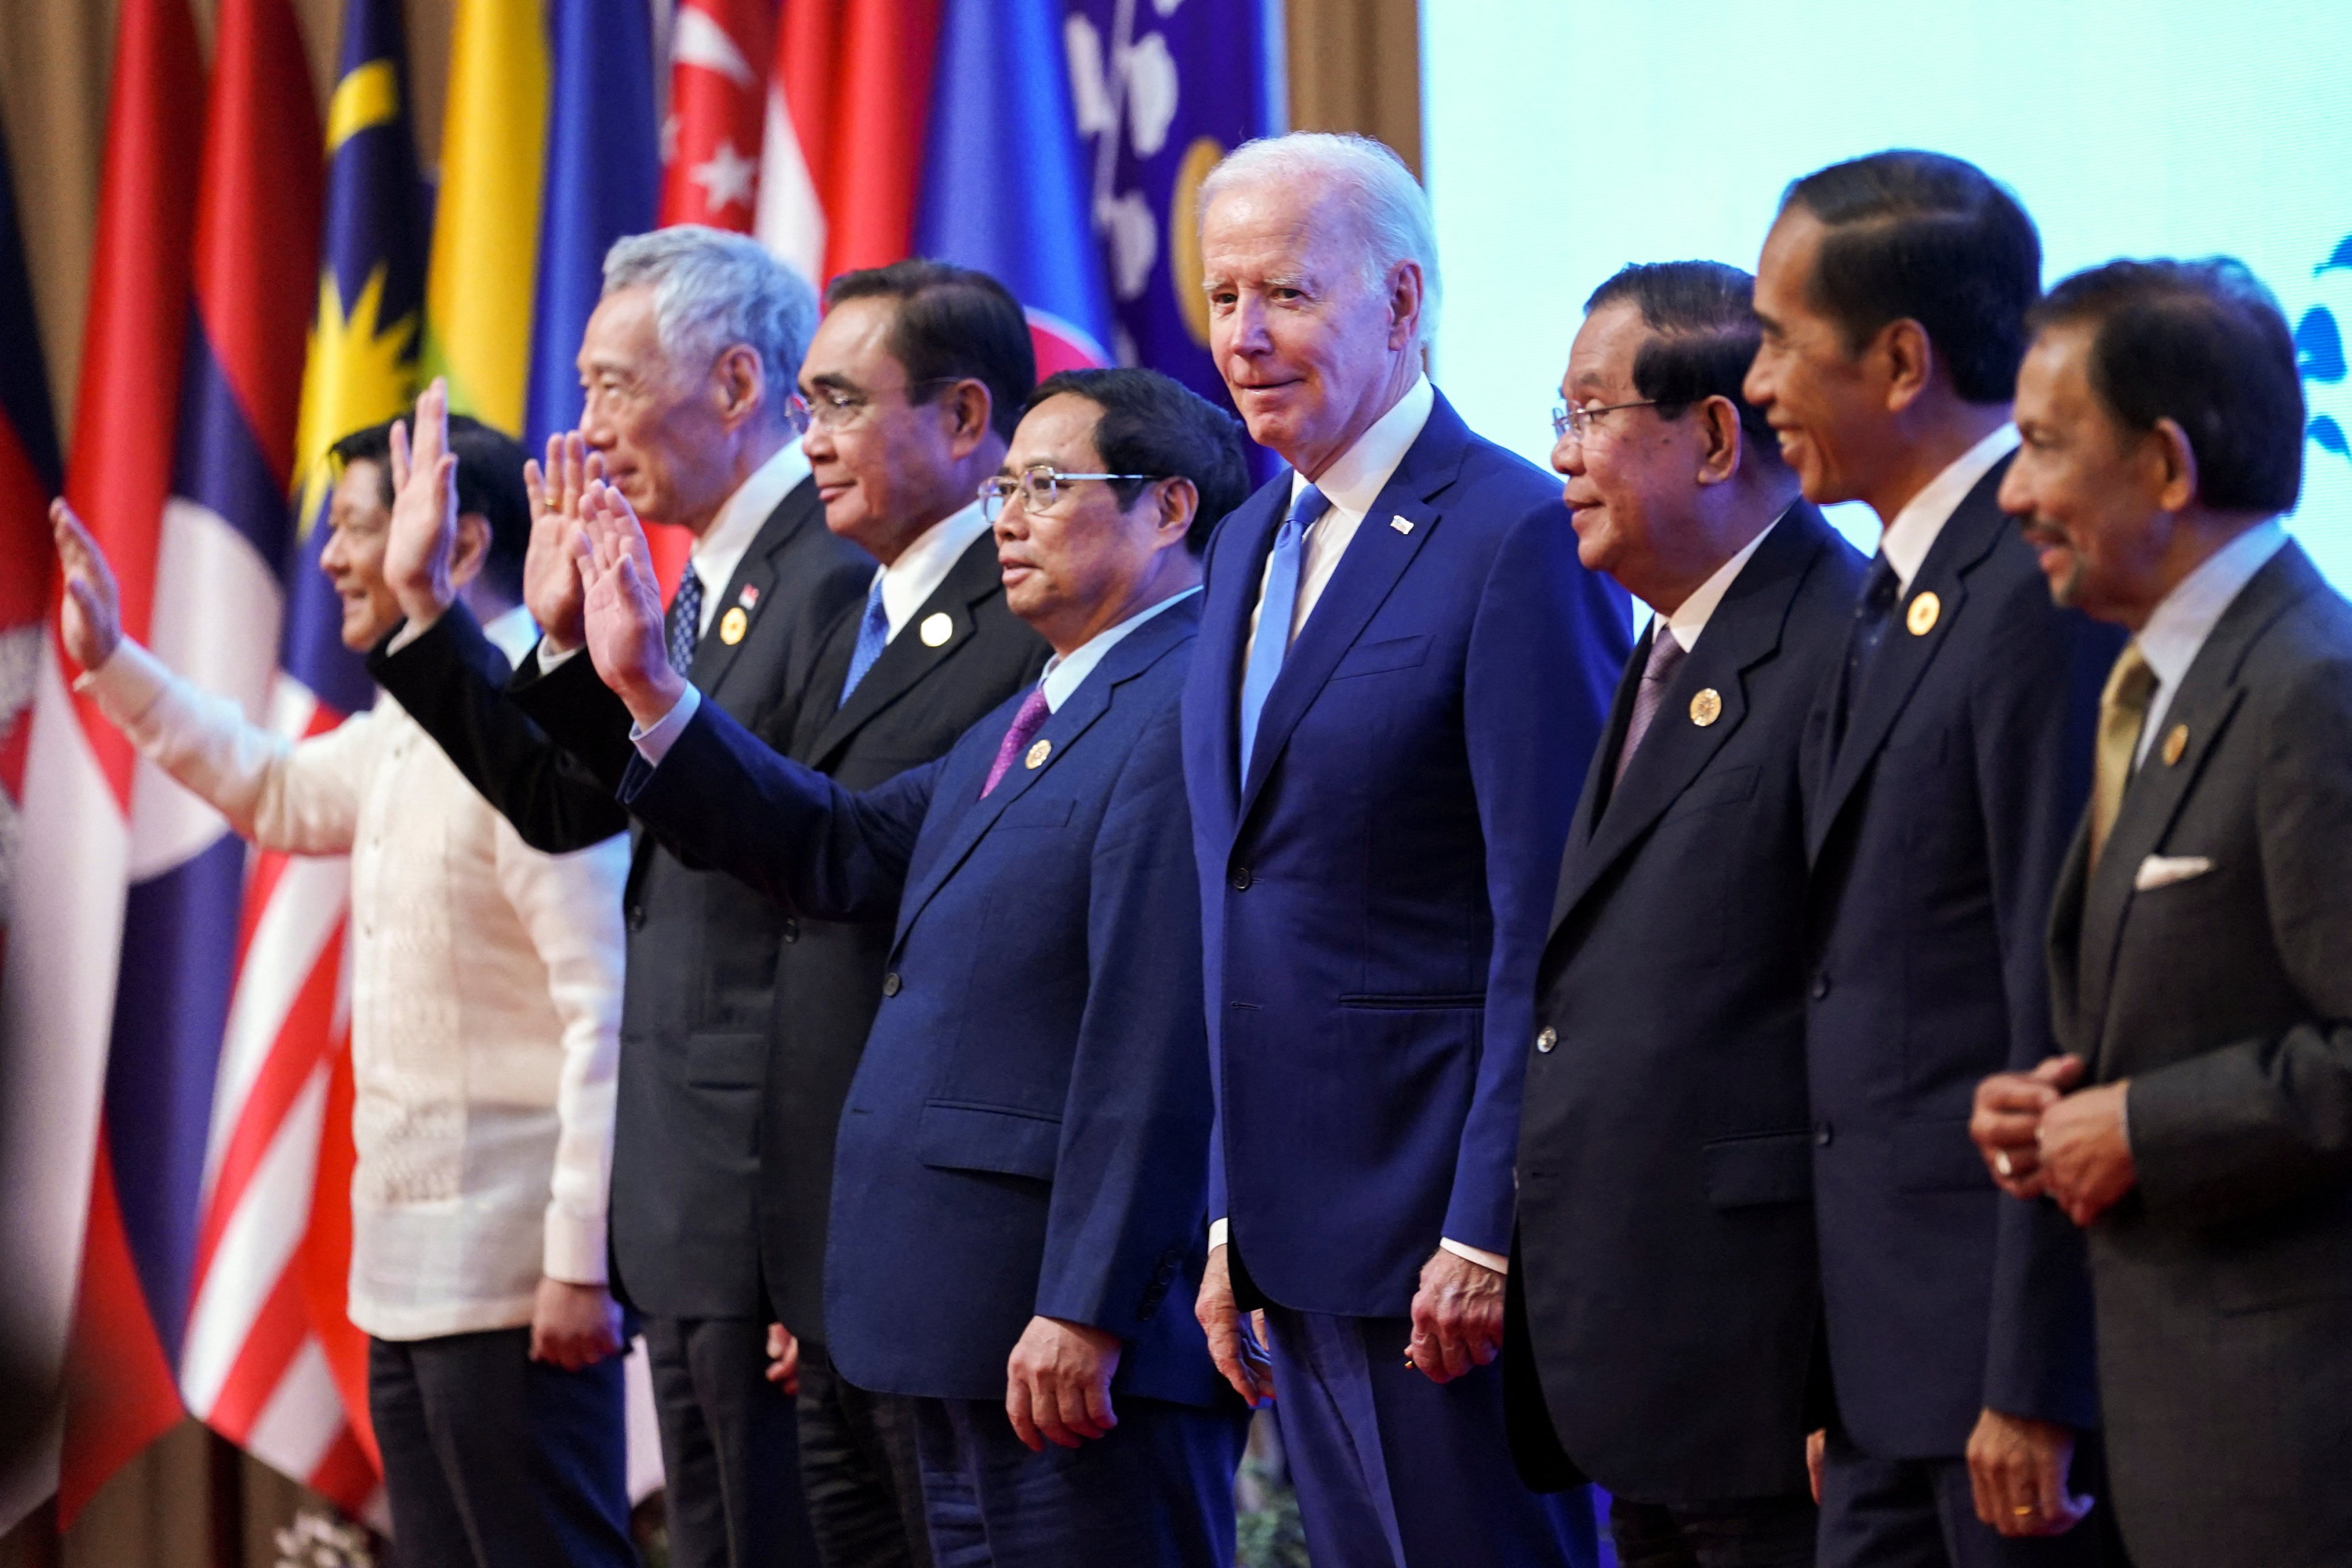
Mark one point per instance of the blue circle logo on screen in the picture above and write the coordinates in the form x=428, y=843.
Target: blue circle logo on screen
x=2319, y=351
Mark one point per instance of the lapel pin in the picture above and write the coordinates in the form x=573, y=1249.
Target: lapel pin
x=750, y=596
x=1921, y=617
x=1403, y=524
x=733, y=624
x=936, y=629
x=1706, y=707
x=2176, y=742
x=1037, y=755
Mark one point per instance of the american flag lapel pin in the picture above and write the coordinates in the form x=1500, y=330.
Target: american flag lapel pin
x=1402, y=523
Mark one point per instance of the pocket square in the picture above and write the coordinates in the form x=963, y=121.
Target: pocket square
x=2163, y=870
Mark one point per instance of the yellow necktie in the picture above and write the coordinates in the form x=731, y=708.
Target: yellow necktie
x=2123, y=710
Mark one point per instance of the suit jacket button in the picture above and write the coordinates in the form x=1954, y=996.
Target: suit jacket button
x=1546, y=1039
x=890, y=983
x=1821, y=985
x=636, y=916
x=1821, y=1134
x=1240, y=878
x=791, y=928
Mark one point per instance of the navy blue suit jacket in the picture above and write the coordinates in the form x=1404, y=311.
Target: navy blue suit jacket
x=1935, y=835
x=1374, y=894
x=1025, y=1133
x=1667, y=1276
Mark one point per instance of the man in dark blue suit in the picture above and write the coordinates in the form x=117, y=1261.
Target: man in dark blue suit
x=1947, y=762
x=1403, y=672
x=1666, y=1282
x=1019, y=1180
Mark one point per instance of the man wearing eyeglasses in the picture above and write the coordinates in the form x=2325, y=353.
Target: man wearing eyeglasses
x=742, y=1025
x=1020, y=1174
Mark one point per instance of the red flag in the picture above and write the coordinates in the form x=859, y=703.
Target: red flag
x=717, y=101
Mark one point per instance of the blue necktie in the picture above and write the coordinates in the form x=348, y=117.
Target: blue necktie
x=1872, y=612
x=684, y=620
x=1272, y=640
x=872, y=636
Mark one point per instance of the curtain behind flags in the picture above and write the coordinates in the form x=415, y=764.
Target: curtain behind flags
x=57, y=997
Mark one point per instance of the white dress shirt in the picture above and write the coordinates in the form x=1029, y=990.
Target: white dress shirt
x=907, y=583
x=1064, y=674
x=2184, y=618
x=718, y=550
x=1352, y=484
x=485, y=986
x=1913, y=531
x=1690, y=617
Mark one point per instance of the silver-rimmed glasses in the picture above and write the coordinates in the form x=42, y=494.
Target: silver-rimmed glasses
x=1038, y=487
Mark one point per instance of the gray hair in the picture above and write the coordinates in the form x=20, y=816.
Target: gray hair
x=713, y=290
x=1382, y=192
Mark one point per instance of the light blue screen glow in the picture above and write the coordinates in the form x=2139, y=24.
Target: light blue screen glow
x=1566, y=138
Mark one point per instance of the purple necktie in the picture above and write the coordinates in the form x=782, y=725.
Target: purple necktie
x=1665, y=658
x=1026, y=725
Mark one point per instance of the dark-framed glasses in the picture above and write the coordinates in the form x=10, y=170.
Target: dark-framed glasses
x=1039, y=488
x=1574, y=423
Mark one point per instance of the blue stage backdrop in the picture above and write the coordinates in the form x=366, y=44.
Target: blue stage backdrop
x=1564, y=140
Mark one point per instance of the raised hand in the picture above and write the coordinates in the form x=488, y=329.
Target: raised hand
x=423, y=535
x=550, y=576
x=92, y=616
x=621, y=606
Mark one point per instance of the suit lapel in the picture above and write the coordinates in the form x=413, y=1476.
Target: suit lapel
x=908, y=656
x=1224, y=630
x=714, y=656
x=1743, y=632
x=1138, y=652
x=1375, y=558
x=1976, y=525
x=2208, y=696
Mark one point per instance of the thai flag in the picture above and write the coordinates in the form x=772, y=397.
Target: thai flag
x=57, y=1001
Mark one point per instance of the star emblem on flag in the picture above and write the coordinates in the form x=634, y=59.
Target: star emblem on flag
x=727, y=178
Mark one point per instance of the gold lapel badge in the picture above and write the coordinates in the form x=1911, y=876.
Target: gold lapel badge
x=1706, y=707
x=936, y=629
x=2176, y=743
x=1921, y=617
x=1037, y=755
x=733, y=624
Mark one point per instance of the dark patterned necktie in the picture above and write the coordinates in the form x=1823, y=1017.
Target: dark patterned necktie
x=1872, y=614
x=684, y=620
x=1665, y=658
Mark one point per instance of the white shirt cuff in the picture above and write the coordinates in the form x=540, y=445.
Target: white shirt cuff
x=653, y=744
x=1493, y=1260
x=574, y=1250
x=1218, y=1231
x=548, y=658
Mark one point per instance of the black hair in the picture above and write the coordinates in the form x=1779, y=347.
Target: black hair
x=1153, y=425
x=950, y=325
x=2203, y=344
x=1703, y=336
x=489, y=481
x=1931, y=238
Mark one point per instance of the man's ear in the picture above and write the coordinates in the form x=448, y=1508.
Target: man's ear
x=1406, y=288
x=2179, y=471
x=1909, y=358
x=472, y=551
x=1180, y=503
x=967, y=406
x=1719, y=425
x=741, y=380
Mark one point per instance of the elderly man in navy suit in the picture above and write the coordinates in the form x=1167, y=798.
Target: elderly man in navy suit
x=1402, y=671
x=1666, y=1286
x=1946, y=760
x=1019, y=1180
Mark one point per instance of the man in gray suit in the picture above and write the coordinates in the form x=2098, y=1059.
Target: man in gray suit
x=2199, y=1123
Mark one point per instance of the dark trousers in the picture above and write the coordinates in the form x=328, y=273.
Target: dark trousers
x=860, y=1469
x=1395, y=1471
x=730, y=1447
x=499, y=1461
x=1157, y=1492
x=1750, y=1532
x=1922, y=1514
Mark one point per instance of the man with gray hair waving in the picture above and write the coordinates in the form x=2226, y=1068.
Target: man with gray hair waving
x=1402, y=670
x=689, y=363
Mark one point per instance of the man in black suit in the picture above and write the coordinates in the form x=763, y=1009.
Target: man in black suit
x=1945, y=764
x=733, y=1059
x=1666, y=1284
x=2200, y=951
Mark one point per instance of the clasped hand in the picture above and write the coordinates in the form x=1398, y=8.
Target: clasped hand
x=2039, y=1139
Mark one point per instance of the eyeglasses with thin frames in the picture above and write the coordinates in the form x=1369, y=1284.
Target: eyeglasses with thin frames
x=1038, y=487
x=1570, y=423
x=834, y=409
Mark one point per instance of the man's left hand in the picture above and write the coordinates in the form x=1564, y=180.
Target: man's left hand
x=1057, y=1383
x=2086, y=1162
x=573, y=1325
x=1457, y=1317
x=628, y=639
x=2017, y=1468
x=423, y=535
